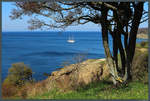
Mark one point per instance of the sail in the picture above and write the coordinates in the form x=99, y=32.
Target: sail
x=71, y=39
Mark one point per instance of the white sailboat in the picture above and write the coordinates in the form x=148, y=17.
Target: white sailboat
x=71, y=40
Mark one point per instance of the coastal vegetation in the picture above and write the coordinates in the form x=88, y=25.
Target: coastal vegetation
x=125, y=68
x=19, y=74
x=100, y=90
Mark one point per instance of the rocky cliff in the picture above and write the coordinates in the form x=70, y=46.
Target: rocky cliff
x=73, y=76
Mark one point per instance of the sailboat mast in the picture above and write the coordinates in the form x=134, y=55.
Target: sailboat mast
x=71, y=39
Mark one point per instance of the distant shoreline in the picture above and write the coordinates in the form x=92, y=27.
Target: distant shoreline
x=46, y=31
x=142, y=36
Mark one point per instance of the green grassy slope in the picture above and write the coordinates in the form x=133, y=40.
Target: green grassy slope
x=134, y=90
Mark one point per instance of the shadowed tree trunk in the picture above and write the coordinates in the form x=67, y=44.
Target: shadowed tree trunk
x=115, y=49
x=125, y=54
x=132, y=38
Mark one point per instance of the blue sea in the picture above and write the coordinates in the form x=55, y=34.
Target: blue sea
x=44, y=52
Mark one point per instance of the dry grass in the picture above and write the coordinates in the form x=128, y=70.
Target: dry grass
x=8, y=90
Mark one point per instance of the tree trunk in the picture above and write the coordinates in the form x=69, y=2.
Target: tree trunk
x=109, y=59
x=132, y=38
x=115, y=50
x=125, y=54
x=122, y=55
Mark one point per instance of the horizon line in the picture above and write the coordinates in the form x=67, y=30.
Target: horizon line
x=51, y=31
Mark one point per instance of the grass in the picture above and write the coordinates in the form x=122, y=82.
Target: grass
x=134, y=90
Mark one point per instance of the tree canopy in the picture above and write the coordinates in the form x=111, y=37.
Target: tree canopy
x=62, y=14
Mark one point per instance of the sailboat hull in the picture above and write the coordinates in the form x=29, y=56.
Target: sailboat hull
x=71, y=41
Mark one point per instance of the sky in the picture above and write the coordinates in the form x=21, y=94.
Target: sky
x=22, y=25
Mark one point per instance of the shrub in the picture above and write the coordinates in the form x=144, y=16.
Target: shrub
x=8, y=90
x=18, y=74
x=143, y=44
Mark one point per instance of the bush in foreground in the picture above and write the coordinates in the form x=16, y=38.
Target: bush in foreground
x=19, y=74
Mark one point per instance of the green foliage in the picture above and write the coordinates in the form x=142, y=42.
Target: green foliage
x=143, y=44
x=18, y=74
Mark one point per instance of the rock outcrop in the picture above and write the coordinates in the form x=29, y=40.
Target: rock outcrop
x=73, y=76
x=77, y=75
